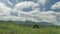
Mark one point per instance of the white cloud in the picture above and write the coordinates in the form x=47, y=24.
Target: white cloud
x=56, y=6
x=25, y=4
x=4, y=11
x=35, y=15
x=42, y=1
x=9, y=2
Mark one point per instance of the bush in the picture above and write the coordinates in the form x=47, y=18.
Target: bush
x=36, y=26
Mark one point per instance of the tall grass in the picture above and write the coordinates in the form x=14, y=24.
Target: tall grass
x=10, y=28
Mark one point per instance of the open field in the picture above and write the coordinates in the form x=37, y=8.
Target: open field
x=10, y=28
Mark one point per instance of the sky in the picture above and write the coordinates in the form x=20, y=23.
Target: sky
x=30, y=10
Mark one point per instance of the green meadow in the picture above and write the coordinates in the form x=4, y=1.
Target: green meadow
x=11, y=28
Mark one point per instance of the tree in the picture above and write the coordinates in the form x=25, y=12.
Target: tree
x=36, y=26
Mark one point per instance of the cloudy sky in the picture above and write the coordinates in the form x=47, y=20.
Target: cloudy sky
x=31, y=10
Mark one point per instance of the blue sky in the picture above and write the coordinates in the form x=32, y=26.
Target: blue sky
x=32, y=10
x=50, y=3
x=47, y=5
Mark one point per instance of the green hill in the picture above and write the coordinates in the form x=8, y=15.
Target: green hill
x=8, y=27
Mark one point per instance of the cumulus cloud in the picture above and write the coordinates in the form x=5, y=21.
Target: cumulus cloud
x=34, y=15
x=25, y=4
x=56, y=5
x=42, y=1
x=4, y=11
x=50, y=16
x=10, y=3
x=42, y=4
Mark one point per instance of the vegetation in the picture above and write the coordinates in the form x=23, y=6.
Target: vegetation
x=8, y=27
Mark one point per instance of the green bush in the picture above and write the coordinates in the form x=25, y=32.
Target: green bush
x=36, y=26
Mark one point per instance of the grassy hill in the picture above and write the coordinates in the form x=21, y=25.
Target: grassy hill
x=8, y=27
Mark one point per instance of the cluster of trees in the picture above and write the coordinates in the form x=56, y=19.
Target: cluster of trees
x=31, y=24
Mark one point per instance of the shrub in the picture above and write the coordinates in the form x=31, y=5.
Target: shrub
x=36, y=26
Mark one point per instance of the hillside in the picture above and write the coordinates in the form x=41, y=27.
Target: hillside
x=31, y=23
x=8, y=27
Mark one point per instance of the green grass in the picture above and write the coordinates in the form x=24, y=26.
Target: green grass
x=10, y=28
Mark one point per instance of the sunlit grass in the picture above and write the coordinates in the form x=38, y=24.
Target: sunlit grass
x=10, y=28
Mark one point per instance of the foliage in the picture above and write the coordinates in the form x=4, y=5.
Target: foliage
x=35, y=26
x=8, y=27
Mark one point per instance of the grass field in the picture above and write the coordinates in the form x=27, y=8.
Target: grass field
x=10, y=28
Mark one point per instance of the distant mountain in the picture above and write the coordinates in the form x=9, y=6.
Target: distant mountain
x=45, y=24
x=30, y=23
